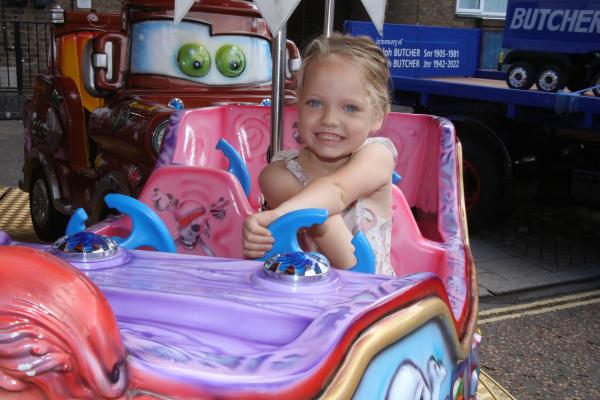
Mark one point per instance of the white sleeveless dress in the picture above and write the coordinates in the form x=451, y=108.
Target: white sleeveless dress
x=358, y=217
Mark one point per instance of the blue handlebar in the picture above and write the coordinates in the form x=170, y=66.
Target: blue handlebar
x=285, y=231
x=237, y=166
x=365, y=259
x=147, y=227
x=76, y=223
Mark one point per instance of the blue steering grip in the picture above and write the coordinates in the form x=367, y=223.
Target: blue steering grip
x=76, y=223
x=237, y=166
x=147, y=227
x=285, y=231
x=365, y=259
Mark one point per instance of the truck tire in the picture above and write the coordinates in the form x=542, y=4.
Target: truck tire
x=551, y=78
x=520, y=75
x=483, y=183
x=48, y=223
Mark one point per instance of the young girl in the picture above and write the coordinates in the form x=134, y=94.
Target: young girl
x=342, y=98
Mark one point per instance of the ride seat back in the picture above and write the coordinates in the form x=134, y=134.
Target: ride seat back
x=410, y=251
x=203, y=208
x=193, y=135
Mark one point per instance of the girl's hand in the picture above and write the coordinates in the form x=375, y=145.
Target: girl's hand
x=257, y=238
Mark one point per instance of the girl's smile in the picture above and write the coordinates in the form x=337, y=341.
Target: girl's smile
x=329, y=137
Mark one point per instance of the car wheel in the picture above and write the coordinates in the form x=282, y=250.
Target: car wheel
x=48, y=223
x=551, y=78
x=483, y=184
x=520, y=76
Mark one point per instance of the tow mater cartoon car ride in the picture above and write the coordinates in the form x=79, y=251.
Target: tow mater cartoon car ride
x=97, y=119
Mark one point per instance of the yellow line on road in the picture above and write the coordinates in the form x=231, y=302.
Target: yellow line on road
x=539, y=311
x=489, y=389
x=555, y=300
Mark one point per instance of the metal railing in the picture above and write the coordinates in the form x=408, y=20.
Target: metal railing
x=24, y=52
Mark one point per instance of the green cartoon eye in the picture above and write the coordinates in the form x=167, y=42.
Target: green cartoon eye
x=230, y=60
x=193, y=59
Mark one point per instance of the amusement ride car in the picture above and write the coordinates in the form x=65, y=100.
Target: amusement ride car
x=97, y=315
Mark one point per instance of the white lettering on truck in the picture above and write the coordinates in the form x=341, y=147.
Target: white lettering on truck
x=579, y=21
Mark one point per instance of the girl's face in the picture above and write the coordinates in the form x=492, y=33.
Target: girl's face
x=335, y=116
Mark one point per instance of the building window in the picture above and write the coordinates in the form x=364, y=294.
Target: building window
x=493, y=9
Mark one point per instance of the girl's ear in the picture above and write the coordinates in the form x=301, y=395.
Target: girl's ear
x=376, y=124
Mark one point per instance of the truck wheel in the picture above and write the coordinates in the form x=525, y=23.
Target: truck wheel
x=48, y=223
x=482, y=179
x=520, y=76
x=596, y=82
x=551, y=78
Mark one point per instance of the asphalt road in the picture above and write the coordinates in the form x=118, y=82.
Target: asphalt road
x=544, y=348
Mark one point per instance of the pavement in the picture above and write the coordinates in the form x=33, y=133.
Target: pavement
x=540, y=245
x=11, y=106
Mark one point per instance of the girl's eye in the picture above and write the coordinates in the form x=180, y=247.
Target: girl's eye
x=193, y=59
x=313, y=103
x=350, y=108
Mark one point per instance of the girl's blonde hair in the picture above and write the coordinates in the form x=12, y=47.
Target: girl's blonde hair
x=362, y=52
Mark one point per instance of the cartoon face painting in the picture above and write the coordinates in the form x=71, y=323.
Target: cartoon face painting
x=189, y=51
x=192, y=220
x=191, y=217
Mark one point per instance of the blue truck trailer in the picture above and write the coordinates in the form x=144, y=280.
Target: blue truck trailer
x=507, y=135
x=549, y=140
x=553, y=43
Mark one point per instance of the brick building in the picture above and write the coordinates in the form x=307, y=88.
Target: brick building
x=29, y=17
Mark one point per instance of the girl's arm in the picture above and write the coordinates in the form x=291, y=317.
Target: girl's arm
x=335, y=241
x=368, y=170
x=277, y=185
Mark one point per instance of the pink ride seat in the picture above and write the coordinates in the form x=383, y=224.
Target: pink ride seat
x=427, y=232
x=203, y=208
x=192, y=136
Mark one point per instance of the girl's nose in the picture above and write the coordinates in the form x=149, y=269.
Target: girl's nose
x=330, y=117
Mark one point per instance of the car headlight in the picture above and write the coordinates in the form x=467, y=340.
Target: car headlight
x=158, y=135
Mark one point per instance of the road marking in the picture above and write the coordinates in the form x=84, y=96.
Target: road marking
x=489, y=389
x=539, y=303
x=539, y=311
